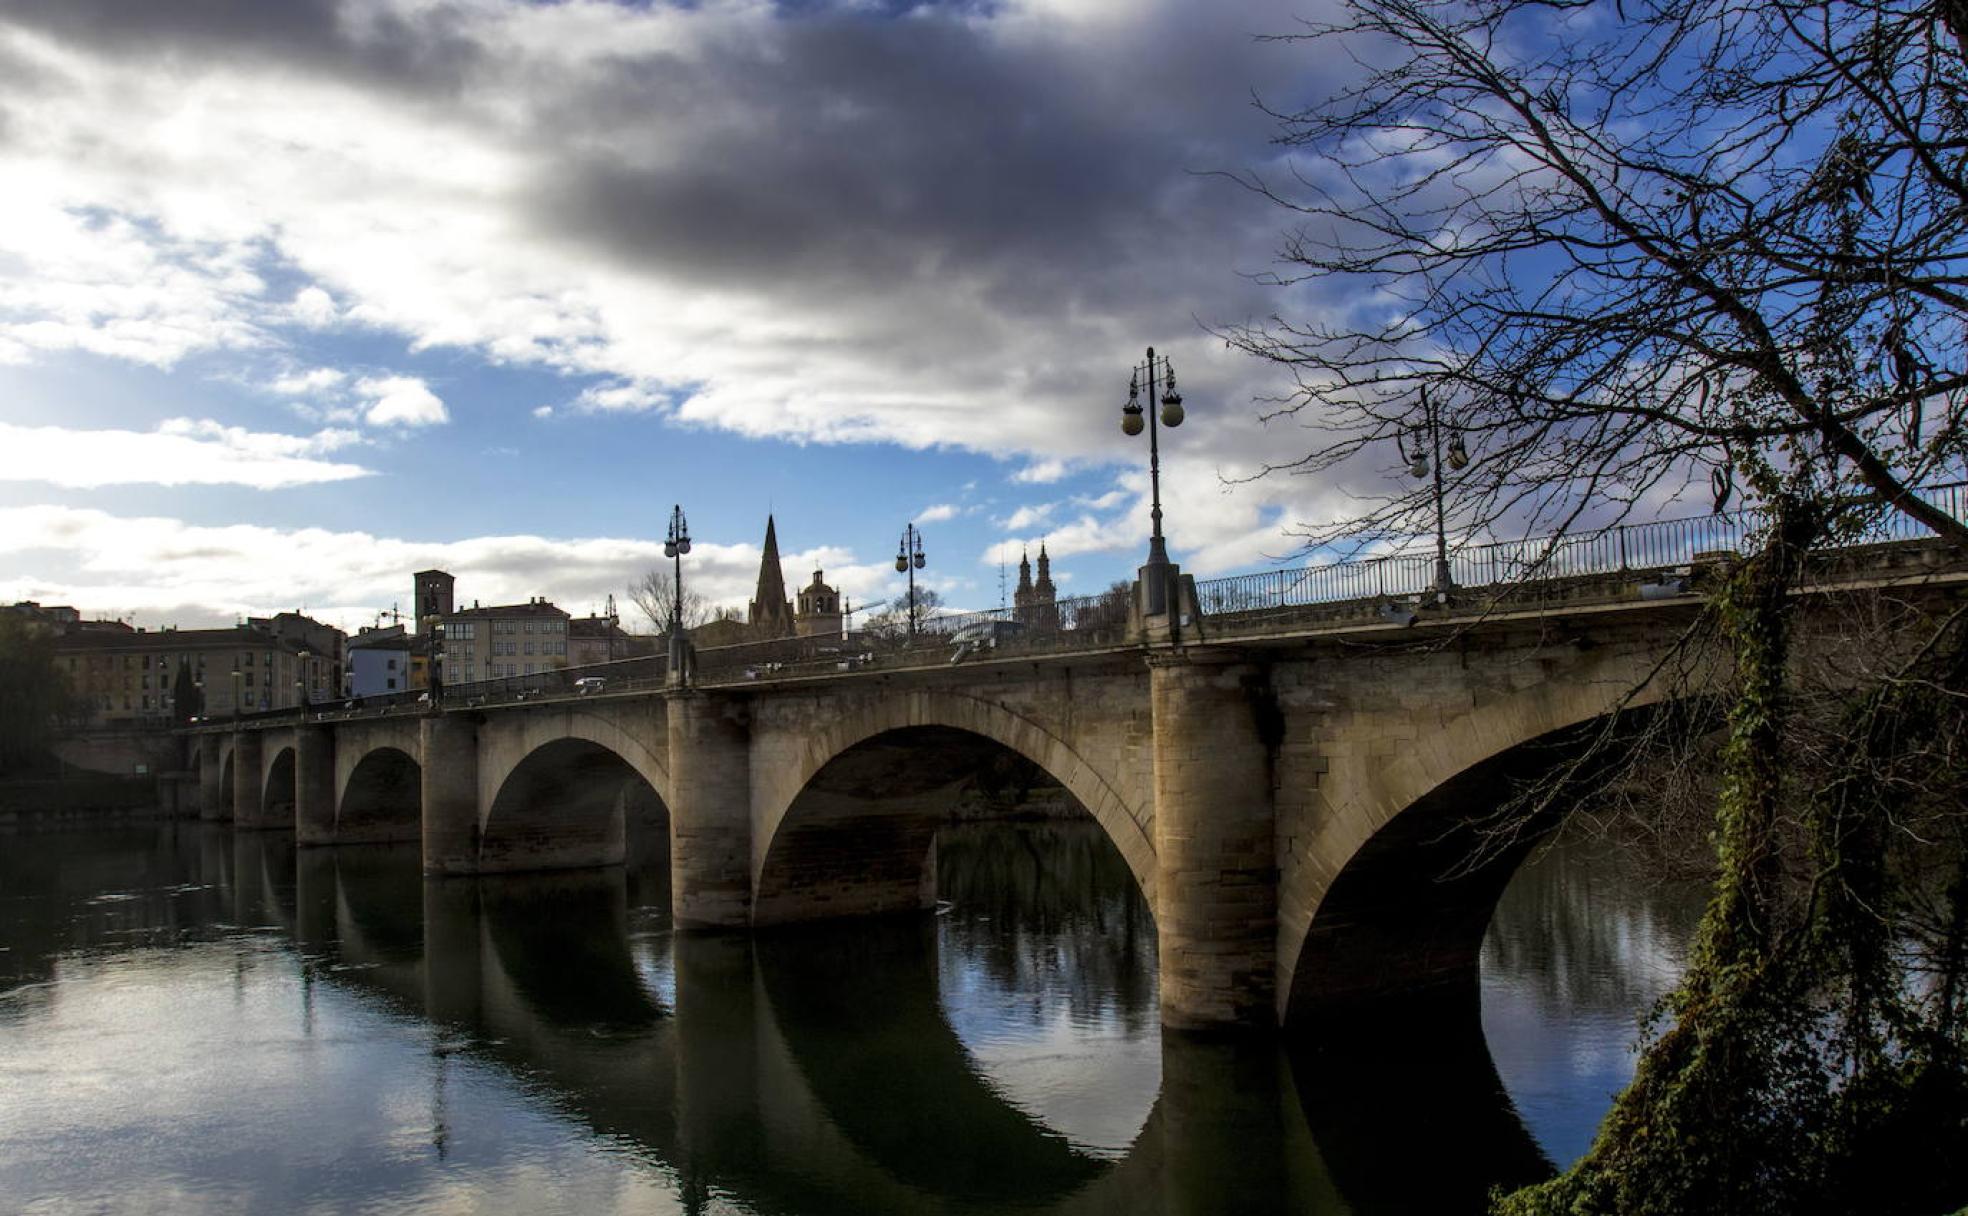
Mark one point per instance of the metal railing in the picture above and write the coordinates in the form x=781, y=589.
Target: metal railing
x=1093, y=622
x=1624, y=548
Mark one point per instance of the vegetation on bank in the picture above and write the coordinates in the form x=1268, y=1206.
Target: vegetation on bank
x=34, y=696
x=1571, y=260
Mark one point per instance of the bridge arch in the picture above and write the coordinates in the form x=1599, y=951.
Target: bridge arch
x=277, y=791
x=1378, y=902
x=565, y=804
x=642, y=744
x=382, y=799
x=796, y=802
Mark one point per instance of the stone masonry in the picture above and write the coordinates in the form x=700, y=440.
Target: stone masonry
x=1285, y=803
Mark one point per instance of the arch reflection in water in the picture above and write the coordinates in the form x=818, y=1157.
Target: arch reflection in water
x=351, y=1033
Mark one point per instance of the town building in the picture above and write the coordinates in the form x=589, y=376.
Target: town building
x=600, y=639
x=379, y=661
x=819, y=611
x=59, y=618
x=126, y=675
x=430, y=599
x=503, y=640
x=316, y=639
x=1036, y=603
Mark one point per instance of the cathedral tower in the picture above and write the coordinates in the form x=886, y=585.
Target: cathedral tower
x=771, y=613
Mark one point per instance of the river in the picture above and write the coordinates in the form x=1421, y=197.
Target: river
x=193, y=1020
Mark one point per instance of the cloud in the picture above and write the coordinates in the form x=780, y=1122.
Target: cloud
x=1025, y=517
x=1040, y=472
x=314, y=308
x=543, y=411
x=179, y=452
x=617, y=398
x=188, y=574
x=307, y=383
x=401, y=401
x=808, y=222
x=938, y=513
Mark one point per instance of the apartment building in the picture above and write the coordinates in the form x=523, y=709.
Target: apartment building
x=502, y=640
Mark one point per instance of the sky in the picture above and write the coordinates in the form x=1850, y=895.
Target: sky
x=298, y=298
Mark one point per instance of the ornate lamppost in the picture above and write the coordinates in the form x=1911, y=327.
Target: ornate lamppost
x=301, y=684
x=1159, y=373
x=909, y=557
x=236, y=693
x=434, y=680
x=674, y=548
x=1420, y=464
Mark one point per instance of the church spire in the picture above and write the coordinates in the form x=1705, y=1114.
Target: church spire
x=771, y=614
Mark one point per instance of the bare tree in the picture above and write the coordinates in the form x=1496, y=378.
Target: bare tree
x=1716, y=241
x=891, y=621
x=654, y=595
x=1591, y=255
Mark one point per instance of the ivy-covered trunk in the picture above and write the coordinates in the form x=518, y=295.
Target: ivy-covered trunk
x=1812, y=1059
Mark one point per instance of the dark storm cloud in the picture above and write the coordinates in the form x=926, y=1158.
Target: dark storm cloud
x=830, y=150
x=976, y=195
x=845, y=159
x=425, y=52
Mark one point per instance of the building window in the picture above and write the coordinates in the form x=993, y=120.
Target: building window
x=389, y=665
x=529, y=648
x=390, y=683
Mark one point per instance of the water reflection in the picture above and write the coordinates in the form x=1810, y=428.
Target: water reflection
x=1583, y=944
x=1046, y=972
x=202, y=1021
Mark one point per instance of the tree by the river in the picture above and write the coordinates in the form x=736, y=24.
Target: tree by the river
x=1619, y=251
x=34, y=695
x=187, y=698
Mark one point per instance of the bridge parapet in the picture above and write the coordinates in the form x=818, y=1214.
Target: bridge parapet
x=1280, y=789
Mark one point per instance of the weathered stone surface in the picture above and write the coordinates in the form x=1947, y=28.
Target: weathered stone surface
x=247, y=778
x=710, y=825
x=1284, y=802
x=448, y=750
x=314, y=785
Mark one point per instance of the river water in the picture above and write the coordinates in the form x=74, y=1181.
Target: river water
x=193, y=1020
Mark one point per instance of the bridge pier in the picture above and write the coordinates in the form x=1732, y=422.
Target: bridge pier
x=710, y=812
x=449, y=749
x=1216, y=876
x=214, y=799
x=246, y=791
x=314, y=785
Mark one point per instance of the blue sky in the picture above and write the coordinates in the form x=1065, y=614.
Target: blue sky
x=297, y=298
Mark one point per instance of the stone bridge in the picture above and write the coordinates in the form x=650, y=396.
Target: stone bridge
x=1289, y=795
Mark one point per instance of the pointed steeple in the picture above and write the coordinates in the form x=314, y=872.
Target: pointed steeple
x=1044, y=586
x=771, y=614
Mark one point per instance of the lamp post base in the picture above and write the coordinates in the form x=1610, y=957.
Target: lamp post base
x=682, y=661
x=1164, y=611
